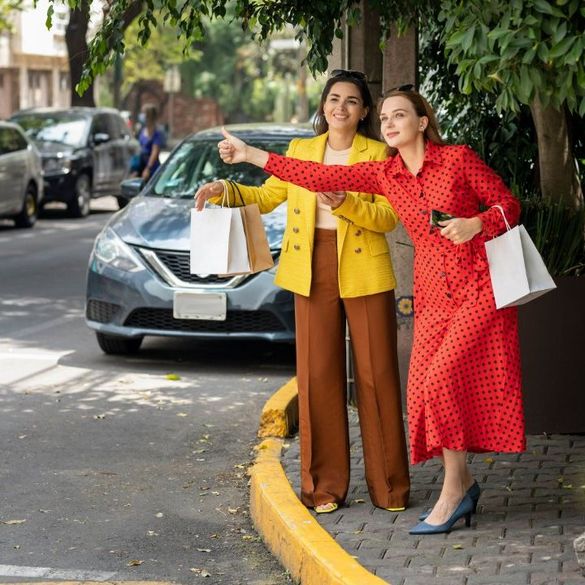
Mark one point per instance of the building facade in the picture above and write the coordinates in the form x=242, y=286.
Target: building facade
x=34, y=69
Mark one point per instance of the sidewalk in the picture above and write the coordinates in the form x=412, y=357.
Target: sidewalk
x=531, y=509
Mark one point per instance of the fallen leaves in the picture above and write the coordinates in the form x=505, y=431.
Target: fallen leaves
x=200, y=572
x=12, y=522
x=134, y=563
x=173, y=377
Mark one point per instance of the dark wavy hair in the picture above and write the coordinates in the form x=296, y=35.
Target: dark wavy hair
x=369, y=126
x=422, y=108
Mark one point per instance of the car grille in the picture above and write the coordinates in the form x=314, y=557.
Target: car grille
x=178, y=264
x=101, y=311
x=236, y=322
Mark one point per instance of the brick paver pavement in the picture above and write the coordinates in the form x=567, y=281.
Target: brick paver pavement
x=531, y=509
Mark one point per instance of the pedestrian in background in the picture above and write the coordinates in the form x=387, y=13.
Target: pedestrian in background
x=335, y=259
x=464, y=386
x=151, y=140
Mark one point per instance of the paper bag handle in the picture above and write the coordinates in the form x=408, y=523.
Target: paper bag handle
x=508, y=228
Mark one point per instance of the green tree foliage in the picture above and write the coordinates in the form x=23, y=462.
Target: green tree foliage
x=7, y=8
x=519, y=49
x=151, y=62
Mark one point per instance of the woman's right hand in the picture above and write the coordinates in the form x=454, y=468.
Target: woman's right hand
x=232, y=150
x=206, y=192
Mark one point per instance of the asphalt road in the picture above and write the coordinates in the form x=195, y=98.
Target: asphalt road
x=120, y=468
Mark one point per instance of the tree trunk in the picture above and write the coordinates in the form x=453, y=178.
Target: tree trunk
x=75, y=37
x=559, y=180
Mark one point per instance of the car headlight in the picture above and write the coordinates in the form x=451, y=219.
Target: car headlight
x=111, y=250
x=56, y=165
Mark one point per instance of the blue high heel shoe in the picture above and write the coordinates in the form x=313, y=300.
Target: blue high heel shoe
x=463, y=510
x=473, y=492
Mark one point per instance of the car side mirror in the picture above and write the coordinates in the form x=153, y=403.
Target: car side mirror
x=101, y=137
x=130, y=188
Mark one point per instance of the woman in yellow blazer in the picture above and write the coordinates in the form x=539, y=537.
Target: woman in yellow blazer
x=335, y=259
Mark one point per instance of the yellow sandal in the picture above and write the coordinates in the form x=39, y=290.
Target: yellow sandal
x=326, y=508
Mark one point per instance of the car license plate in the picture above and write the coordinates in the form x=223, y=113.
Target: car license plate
x=195, y=305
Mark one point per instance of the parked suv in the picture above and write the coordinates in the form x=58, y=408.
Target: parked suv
x=21, y=177
x=139, y=265
x=86, y=152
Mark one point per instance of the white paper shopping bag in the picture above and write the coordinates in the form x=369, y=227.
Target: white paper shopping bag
x=218, y=242
x=517, y=270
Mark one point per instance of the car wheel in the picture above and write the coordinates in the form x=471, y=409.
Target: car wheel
x=79, y=205
x=122, y=202
x=30, y=209
x=114, y=345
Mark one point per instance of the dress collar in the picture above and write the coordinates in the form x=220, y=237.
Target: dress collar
x=433, y=156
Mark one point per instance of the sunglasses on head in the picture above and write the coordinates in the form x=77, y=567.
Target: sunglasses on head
x=348, y=73
x=405, y=87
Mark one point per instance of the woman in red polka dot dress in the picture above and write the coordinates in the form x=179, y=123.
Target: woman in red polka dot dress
x=464, y=386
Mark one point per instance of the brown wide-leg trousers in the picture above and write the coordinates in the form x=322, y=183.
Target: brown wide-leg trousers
x=321, y=378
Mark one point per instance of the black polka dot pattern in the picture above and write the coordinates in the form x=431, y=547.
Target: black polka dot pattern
x=464, y=383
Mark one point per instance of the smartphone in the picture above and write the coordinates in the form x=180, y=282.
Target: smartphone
x=437, y=216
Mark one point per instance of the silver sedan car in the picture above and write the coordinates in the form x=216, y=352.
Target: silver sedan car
x=140, y=261
x=21, y=177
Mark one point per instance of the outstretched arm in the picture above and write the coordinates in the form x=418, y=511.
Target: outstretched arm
x=363, y=177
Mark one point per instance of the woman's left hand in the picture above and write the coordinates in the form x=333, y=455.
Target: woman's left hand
x=332, y=198
x=461, y=229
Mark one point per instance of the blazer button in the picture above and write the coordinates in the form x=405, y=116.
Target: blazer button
x=296, y=230
x=296, y=210
x=358, y=250
x=358, y=233
x=296, y=247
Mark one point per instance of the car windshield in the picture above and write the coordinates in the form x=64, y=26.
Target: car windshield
x=197, y=162
x=62, y=128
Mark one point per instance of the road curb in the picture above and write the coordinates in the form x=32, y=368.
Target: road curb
x=288, y=529
x=280, y=415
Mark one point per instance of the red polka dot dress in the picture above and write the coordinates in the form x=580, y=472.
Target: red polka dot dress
x=464, y=382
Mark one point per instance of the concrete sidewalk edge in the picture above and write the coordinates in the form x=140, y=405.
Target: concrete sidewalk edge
x=288, y=529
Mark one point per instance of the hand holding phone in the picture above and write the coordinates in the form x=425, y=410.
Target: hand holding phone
x=437, y=216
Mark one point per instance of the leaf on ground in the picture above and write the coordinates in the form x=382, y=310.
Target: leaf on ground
x=134, y=563
x=12, y=522
x=488, y=460
x=200, y=572
x=458, y=546
x=182, y=414
x=173, y=377
x=205, y=550
x=250, y=538
x=233, y=510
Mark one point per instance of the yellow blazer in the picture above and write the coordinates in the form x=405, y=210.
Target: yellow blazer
x=364, y=264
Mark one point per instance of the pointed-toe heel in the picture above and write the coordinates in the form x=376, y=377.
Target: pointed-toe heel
x=463, y=510
x=473, y=492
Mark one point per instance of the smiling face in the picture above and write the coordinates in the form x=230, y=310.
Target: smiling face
x=401, y=126
x=343, y=108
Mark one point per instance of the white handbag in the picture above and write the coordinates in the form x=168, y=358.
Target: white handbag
x=517, y=270
x=218, y=241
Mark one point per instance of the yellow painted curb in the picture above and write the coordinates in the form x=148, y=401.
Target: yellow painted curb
x=303, y=547
x=280, y=415
x=90, y=583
